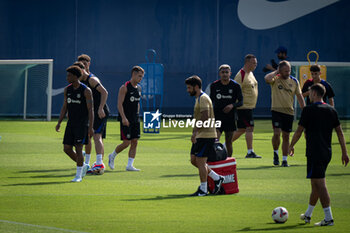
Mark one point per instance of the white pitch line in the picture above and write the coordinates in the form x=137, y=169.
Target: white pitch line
x=43, y=227
x=81, y=194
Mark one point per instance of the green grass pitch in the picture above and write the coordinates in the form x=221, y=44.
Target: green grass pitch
x=36, y=195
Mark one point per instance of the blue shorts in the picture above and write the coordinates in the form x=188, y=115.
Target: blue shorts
x=204, y=147
x=316, y=169
x=76, y=135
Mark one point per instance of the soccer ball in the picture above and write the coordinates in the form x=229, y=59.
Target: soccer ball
x=99, y=171
x=280, y=215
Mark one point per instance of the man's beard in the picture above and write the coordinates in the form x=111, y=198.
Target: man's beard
x=193, y=93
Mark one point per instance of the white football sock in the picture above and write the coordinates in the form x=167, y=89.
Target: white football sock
x=130, y=162
x=87, y=158
x=99, y=159
x=213, y=175
x=328, y=213
x=276, y=151
x=309, y=210
x=285, y=157
x=79, y=171
x=114, y=154
x=250, y=151
x=204, y=187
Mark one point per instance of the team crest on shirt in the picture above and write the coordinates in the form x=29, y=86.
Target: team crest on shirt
x=280, y=87
x=78, y=95
x=230, y=91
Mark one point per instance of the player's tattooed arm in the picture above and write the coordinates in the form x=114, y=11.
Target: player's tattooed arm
x=90, y=107
x=295, y=139
x=95, y=82
x=63, y=110
x=341, y=139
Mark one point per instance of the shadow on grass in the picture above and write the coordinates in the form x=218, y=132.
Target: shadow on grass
x=339, y=174
x=267, y=167
x=44, y=176
x=38, y=183
x=337, y=143
x=281, y=227
x=160, y=198
x=52, y=170
x=178, y=175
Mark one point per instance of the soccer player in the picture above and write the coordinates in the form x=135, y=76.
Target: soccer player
x=226, y=96
x=249, y=85
x=78, y=104
x=202, y=138
x=318, y=121
x=129, y=107
x=283, y=88
x=101, y=113
x=316, y=78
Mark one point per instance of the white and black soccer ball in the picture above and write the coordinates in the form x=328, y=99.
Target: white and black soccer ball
x=280, y=215
x=99, y=171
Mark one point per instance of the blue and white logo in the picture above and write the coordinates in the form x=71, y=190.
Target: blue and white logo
x=151, y=120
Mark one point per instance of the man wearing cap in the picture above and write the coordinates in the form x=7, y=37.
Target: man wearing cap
x=281, y=52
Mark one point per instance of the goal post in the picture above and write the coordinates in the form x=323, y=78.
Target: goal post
x=26, y=88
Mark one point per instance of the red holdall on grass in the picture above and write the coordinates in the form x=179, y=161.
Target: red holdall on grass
x=227, y=169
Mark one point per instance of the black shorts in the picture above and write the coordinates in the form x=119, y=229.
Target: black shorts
x=76, y=135
x=131, y=132
x=100, y=125
x=316, y=169
x=282, y=120
x=227, y=124
x=245, y=118
x=204, y=147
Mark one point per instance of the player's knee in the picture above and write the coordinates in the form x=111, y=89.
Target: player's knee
x=285, y=136
x=193, y=161
x=97, y=137
x=276, y=133
x=133, y=143
x=67, y=149
x=249, y=129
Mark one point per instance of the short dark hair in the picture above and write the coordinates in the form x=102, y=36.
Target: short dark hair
x=315, y=68
x=84, y=57
x=75, y=70
x=193, y=81
x=137, y=69
x=319, y=89
x=80, y=64
x=248, y=57
x=283, y=63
